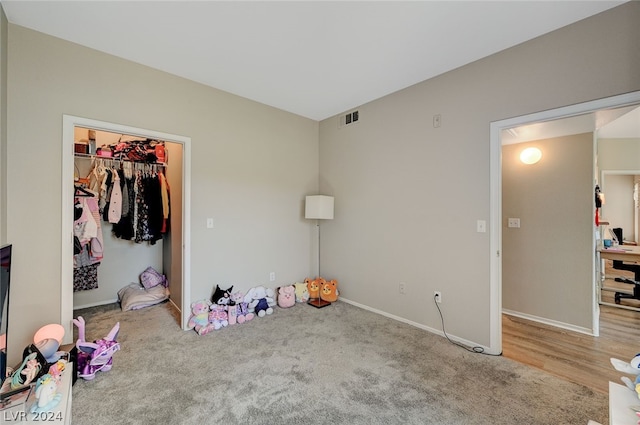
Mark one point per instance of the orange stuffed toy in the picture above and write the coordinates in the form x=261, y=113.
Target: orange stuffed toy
x=313, y=286
x=329, y=291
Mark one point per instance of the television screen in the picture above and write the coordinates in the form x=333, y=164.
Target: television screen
x=5, y=274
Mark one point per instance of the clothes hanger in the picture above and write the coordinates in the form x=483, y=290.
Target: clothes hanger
x=83, y=192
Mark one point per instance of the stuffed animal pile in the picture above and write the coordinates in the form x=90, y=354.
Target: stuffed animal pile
x=227, y=307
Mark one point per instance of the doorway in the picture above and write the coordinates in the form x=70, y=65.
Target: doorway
x=181, y=252
x=496, y=219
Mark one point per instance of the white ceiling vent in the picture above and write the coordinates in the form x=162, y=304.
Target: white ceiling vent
x=348, y=119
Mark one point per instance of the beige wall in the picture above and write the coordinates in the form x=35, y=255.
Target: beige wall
x=251, y=167
x=619, y=154
x=408, y=195
x=547, y=262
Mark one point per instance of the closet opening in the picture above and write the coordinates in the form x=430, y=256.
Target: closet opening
x=142, y=221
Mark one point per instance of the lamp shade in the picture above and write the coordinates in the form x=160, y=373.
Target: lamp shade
x=318, y=207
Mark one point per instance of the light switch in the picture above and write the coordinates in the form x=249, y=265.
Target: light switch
x=481, y=226
x=514, y=222
x=209, y=223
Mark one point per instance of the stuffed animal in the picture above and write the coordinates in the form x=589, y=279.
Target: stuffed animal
x=632, y=368
x=241, y=308
x=313, y=286
x=260, y=300
x=302, y=293
x=329, y=291
x=199, y=319
x=218, y=317
x=221, y=296
x=286, y=296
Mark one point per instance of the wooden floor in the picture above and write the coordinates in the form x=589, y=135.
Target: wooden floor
x=577, y=357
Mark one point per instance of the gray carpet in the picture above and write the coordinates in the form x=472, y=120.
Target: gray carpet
x=336, y=365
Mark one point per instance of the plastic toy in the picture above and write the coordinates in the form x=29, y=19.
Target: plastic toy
x=46, y=394
x=286, y=296
x=631, y=368
x=218, y=316
x=260, y=300
x=302, y=293
x=98, y=355
x=241, y=308
x=329, y=291
x=199, y=320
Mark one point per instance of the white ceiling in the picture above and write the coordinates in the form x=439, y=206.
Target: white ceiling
x=313, y=58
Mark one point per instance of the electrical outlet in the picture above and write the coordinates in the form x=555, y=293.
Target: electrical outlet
x=402, y=287
x=514, y=222
x=272, y=276
x=437, y=121
x=438, y=296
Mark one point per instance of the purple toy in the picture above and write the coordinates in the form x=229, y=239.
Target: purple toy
x=95, y=356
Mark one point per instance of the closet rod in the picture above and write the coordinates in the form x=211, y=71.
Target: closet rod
x=115, y=160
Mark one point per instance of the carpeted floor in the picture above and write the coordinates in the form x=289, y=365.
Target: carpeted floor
x=336, y=365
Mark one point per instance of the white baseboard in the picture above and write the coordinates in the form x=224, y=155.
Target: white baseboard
x=78, y=307
x=417, y=325
x=549, y=322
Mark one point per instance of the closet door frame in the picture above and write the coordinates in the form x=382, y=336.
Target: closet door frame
x=69, y=122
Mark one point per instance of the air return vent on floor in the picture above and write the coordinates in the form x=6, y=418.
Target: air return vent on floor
x=347, y=119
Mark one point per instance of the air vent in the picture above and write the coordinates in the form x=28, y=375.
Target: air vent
x=347, y=119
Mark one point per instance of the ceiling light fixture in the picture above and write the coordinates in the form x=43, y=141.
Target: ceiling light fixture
x=530, y=155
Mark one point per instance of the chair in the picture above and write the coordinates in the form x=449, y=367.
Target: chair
x=633, y=267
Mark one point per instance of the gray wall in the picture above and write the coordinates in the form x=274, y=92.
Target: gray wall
x=251, y=167
x=408, y=195
x=547, y=263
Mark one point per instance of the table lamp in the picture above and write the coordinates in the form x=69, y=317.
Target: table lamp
x=318, y=207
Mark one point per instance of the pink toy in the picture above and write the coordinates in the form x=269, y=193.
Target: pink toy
x=242, y=308
x=98, y=355
x=218, y=316
x=286, y=296
x=199, y=319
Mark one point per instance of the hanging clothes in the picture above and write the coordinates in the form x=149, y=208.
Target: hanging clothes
x=88, y=246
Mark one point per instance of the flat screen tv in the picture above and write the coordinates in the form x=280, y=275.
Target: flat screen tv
x=5, y=275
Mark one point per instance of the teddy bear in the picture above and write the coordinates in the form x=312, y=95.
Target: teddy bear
x=260, y=300
x=218, y=317
x=329, y=291
x=239, y=309
x=313, y=286
x=302, y=293
x=286, y=296
x=221, y=296
x=199, y=319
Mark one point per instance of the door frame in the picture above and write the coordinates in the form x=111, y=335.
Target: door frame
x=495, y=190
x=69, y=122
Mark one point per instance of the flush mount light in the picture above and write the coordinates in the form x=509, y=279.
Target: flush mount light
x=530, y=155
